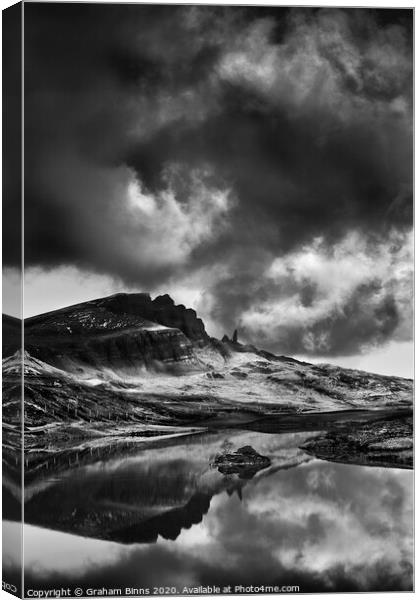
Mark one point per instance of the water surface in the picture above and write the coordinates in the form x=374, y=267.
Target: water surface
x=165, y=517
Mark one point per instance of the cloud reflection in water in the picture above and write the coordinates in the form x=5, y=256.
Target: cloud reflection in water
x=323, y=526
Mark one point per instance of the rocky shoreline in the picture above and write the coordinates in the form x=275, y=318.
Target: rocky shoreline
x=386, y=442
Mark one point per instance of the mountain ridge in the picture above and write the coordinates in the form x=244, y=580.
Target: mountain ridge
x=103, y=369
x=219, y=390
x=127, y=311
x=114, y=333
x=161, y=310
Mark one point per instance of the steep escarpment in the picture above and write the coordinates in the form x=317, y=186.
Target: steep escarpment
x=109, y=334
x=119, y=310
x=124, y=353
x=162, y=310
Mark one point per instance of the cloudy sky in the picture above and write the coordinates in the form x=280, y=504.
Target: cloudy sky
x=255, y=163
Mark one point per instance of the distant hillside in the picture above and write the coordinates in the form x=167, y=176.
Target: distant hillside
x=123, y=309
x=122, y=333
x=105, y=369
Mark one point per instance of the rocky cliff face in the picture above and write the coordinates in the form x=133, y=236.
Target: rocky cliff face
x=116, y=334
x=162, y=310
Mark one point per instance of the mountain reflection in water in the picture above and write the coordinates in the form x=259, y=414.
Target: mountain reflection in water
x=164, y=516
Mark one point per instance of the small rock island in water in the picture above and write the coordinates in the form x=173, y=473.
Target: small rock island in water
x=245, y=462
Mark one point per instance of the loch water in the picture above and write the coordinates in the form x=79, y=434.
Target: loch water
x=163, y=518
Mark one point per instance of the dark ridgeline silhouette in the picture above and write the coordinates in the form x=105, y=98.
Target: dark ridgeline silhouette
x=127, y=504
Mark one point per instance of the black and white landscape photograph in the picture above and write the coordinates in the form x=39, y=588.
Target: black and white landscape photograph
x=218, y=301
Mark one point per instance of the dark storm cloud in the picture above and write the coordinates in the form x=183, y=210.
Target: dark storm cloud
x=161, y=141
